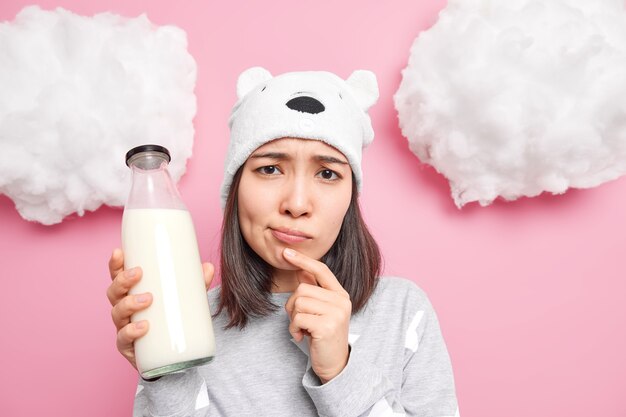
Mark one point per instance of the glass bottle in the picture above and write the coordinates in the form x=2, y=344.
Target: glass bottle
x=158, y=235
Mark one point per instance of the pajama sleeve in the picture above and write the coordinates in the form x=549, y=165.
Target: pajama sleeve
x=183, y=393
x=427, y=384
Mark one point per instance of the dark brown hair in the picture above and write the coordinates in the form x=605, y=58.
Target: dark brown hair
x=246, y=285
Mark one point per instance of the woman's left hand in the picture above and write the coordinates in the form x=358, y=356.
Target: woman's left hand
x=321, y=308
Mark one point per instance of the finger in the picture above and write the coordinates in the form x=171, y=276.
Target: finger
x=209, y=272
x=323, y=276
x=122, y=283
x=303, y=322
x=311, y=291
x=310, y=306
x=129, y=305
x=116, y=263
x=127, y=335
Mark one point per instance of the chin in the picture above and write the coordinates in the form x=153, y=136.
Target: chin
x=279, y=263
x=274, y=258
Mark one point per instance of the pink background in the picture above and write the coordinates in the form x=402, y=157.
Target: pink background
x=530, y=295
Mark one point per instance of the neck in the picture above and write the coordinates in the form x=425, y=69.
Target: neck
x=284, y=280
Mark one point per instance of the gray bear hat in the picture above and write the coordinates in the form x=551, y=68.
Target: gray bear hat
x=315, y=105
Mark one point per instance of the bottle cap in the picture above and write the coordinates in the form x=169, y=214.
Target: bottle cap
x=148, y=148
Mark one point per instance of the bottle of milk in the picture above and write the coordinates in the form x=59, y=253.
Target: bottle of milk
x=158, y=235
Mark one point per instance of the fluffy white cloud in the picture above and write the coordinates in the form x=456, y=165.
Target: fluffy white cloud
x=513, y=98
x=77, y=93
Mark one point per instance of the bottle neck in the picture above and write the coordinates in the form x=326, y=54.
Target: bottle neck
x=152, y=187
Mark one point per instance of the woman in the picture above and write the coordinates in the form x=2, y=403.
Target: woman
x=304, y=325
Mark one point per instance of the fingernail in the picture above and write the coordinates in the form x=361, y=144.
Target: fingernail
x=131, y=272
x=290, y=252
x=141, y=298
x=140, y=325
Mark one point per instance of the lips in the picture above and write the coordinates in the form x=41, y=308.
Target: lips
x=289, y=235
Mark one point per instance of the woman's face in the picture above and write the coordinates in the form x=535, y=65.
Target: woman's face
x=293, y=193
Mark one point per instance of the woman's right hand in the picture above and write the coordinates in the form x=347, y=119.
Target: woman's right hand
x=125, y=305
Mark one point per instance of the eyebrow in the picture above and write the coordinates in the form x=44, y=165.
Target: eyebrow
x=283, y=156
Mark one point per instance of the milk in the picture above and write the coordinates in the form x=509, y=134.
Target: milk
x=163, y=243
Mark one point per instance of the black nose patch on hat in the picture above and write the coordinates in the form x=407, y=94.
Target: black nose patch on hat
x=306, y=104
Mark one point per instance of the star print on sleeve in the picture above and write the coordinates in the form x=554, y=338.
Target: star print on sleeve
x=203, y=397
x=412, y=341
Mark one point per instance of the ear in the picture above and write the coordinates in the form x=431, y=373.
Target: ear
x=364, y=87
x=250, y=78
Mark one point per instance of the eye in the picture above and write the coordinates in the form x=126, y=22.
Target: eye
x=329, y=175
x=340, y=96
x=268, y=170
x=264, y=88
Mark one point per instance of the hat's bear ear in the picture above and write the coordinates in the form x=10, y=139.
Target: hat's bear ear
x=364, y=87
x=250, y=78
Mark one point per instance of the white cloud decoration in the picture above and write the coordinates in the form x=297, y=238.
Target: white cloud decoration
x=77, y=93
x=514, y=98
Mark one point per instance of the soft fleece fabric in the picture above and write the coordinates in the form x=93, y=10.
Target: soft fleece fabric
x=315, y=105
x=398, y=365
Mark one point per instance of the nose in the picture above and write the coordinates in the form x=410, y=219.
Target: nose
x=306, y=104
x=296, y=198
